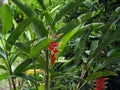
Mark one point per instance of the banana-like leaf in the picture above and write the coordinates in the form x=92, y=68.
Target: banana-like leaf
x=3, y=76
x=6, y=17
x=38, y=25
x=22, y=67
x=66, y=9
x=74, y=23
x=19, y=30
x=100, y=74
x=42, y=44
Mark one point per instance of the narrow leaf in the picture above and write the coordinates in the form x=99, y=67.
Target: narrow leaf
x=22, y=67
x=19, y=30
x=65, y=9
x=2, y=54
x=6, y=16
x=42, y=44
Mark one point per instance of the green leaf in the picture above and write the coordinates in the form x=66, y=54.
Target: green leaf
x=19, y=30
x=3, y=67
x=38, y=25
x=79, y=21
x=77, y=31
x=27, y=9
x=113, y=59
x=100, y=74
x=66, y=9
x=27, y=77
x=41, y=2
x=3, y=76
x=2, y=54
x=6, y=16
x=41, y=44
x=22, y=67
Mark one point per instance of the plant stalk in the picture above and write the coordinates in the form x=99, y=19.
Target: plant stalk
x=47, y=81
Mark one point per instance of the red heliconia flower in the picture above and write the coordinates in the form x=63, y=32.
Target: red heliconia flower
x=53, y=59
x=56, y=50
x=100, y=83
x=53, y=48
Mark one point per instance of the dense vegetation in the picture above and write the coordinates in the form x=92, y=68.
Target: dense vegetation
x=60, y=44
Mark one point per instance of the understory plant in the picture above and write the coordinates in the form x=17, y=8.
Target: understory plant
x=58, y=44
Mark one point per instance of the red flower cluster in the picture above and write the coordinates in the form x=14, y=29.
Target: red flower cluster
x=100, y=83
x=53, y=48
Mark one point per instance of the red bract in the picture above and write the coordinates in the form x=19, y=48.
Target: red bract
x=100, y=83
x=53, y=48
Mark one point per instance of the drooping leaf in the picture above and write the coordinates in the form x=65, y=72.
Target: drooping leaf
x=19, y=30
x=22, y=67
x=41, y=44
x=101, y=74
x=6, y=16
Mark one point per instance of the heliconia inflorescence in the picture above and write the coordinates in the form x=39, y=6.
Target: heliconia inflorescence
x=100, y=83
x=53, y=47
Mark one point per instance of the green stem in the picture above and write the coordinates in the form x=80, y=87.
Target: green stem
x=47, y=82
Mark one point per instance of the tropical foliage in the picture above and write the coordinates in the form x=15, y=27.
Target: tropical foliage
x=59, y=44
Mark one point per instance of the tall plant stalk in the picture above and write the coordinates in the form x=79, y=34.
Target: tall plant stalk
x=47, y=81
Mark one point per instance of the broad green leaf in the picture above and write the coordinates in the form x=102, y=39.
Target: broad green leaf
x=38, y=25
x=6, y=16
x=74, y=23
x=3, y=76
x=22, y=67
x=19, y=30
x=100, y=74
x=41, y=44
x=41, y=2
x=2, y=54
x=66, y=9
